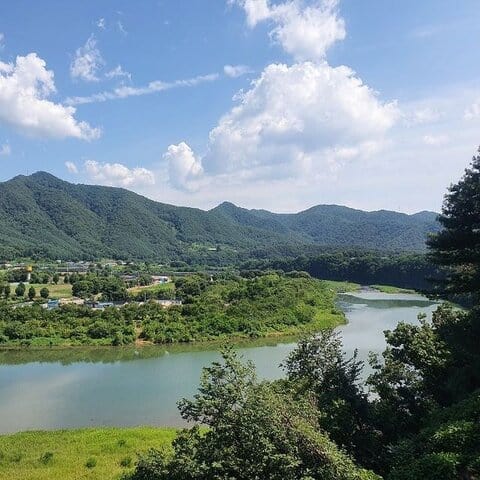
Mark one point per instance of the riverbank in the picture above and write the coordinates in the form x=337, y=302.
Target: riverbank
x=96, y=453
x=390, y=289
x=266, y=306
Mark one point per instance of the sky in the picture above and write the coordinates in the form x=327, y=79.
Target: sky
x=274, y=104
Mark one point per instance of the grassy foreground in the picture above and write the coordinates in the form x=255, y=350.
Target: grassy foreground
x=98, y=453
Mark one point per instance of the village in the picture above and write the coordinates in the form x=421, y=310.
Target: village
x=113, y=284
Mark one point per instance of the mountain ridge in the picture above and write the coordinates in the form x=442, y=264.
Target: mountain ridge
x=42, y=215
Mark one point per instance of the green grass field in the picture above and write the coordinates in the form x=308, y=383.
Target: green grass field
x=161, y=287
x=62, y=290
x=99, y=453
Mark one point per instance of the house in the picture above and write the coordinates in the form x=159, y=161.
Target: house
x=158, y=279
x=53, y=303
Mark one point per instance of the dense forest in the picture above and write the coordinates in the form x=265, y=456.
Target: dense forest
x=417, y=415
x=257, y=306
x=43, y=217
x=408, y=270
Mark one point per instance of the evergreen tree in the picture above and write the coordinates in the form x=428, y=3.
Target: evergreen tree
x=457, y=247
x=20, y=290
x=31, y=293
x=44, y=292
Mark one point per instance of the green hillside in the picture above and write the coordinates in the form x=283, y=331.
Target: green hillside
x=43, y=216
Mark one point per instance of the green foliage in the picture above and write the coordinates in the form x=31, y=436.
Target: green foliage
x=269, y=304
x=20, y=453
x=44, y=293
x=20, y=290
x=91, y=462
x=318, y=368
x=46, y=458
x=457, y=246
x=44, y=217
x=447, y=447
x=407, y=270
x=254, y=431
x=71, y=325
x=31, y=293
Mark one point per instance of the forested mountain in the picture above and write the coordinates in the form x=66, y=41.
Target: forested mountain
x=41, y=215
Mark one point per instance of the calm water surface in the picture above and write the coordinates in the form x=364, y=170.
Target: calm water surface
x=124, y=387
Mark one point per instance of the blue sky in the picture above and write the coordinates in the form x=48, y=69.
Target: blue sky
x=269, y=104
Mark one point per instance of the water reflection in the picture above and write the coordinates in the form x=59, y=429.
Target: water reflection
x=126, y=386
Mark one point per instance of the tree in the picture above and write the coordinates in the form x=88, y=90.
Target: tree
x=66, y=279
x=20, y=290
x=255, y=430
x=318, y=367
x=7, y=290
x=44, y=293
x=457, y=246
x=55, y=278
x=31, y=293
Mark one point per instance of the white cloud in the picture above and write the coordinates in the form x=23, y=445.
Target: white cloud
x=117, y=72
x=473, y=111
x=422, y=115
x=255, y=10
x=101, y=23
x=235, y=71
x=117, y=174
x=24, y=89
x=152, y=87
x=297, y=120
x=88, y=60
x=2, y=39
x=435, y=140
x=184, y=169
x=71, y=167
x=304, y=31
x=5, y=150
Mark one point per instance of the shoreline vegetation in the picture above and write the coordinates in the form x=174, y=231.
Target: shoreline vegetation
x=231, y=308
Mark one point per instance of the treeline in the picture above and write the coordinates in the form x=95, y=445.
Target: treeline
x=413, y=271
x=260, y=305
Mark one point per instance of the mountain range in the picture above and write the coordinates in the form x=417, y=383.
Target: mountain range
x=43, y=216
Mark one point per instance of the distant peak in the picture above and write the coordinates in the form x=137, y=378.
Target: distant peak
x=225, y=206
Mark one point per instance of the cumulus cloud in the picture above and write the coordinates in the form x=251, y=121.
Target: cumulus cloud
x=71, y=167
x=24, y=90
x=235, y=71
x=5, y=150
x=117, y=174
x=304, y=120
x=101, y=24
x=153, y=87
x=184, y=169
x=87, y=61
x=297, y=120
x=304, y=31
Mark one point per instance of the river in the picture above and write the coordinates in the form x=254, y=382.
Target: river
x=74, y=388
